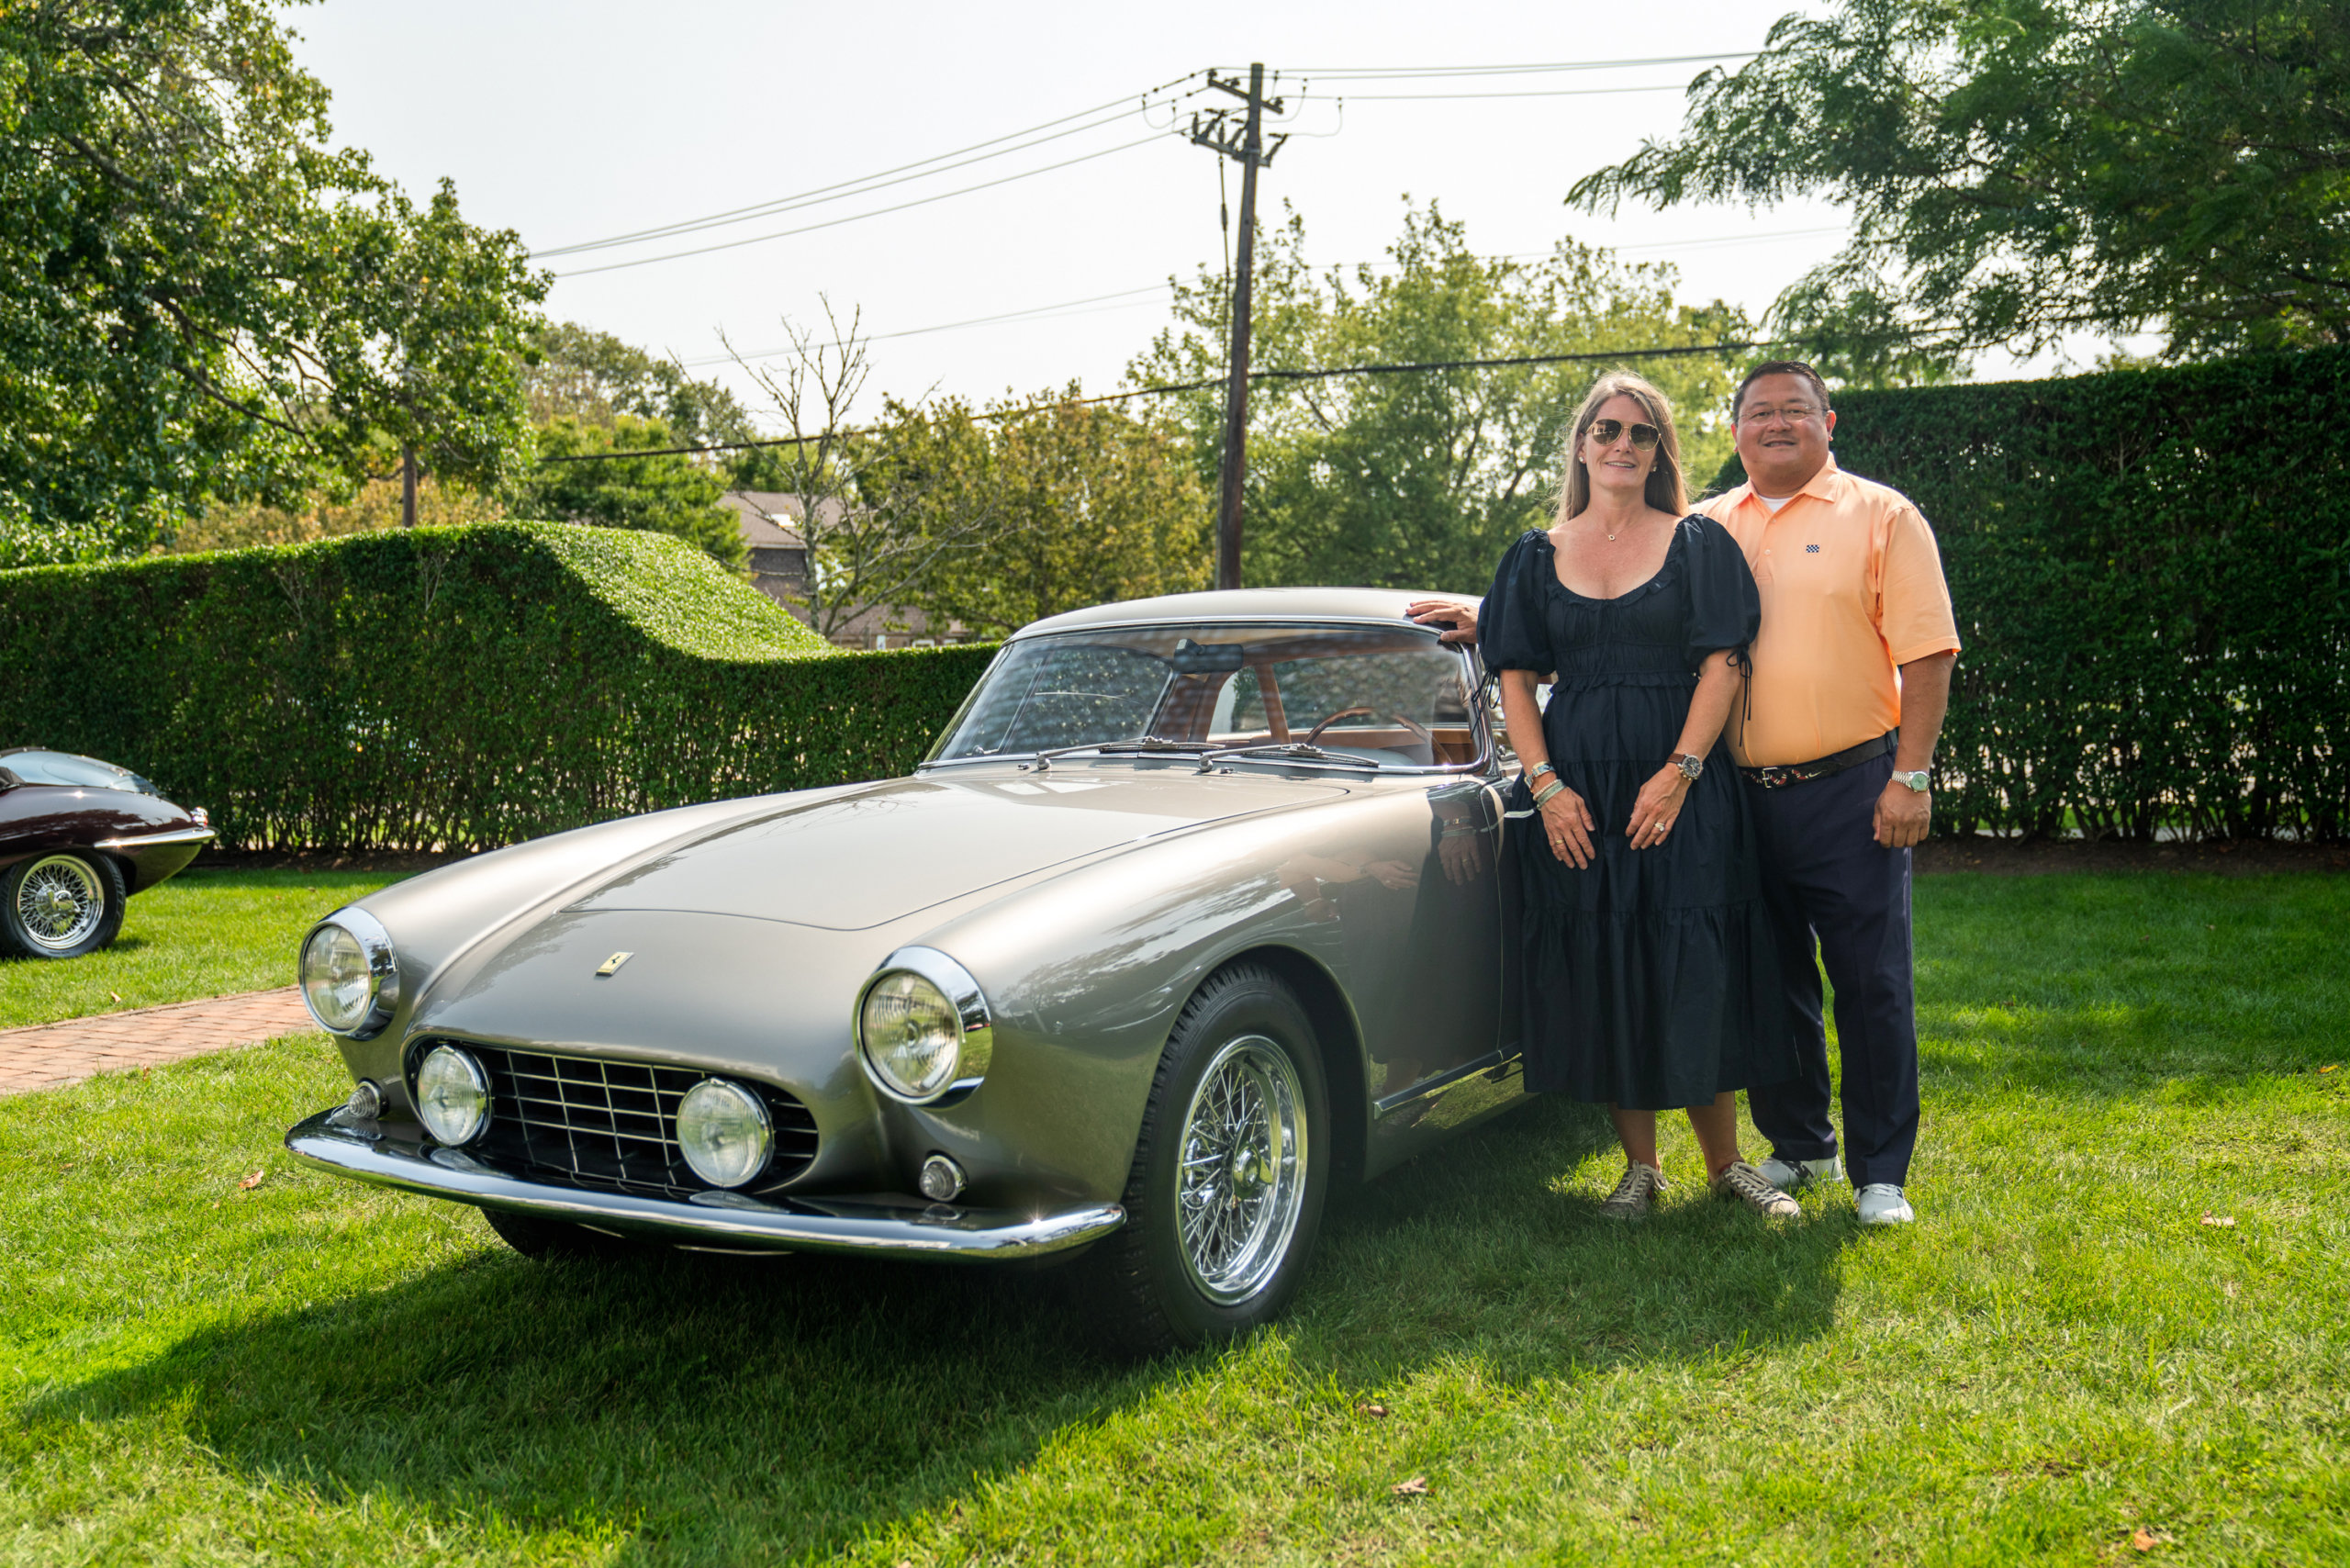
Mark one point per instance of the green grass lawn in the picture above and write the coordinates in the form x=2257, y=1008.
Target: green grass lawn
x=2061, y=1354
x=201, y=934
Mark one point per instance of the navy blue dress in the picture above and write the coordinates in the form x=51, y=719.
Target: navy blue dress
x=1650, y=978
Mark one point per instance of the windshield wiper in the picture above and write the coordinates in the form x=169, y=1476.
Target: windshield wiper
x=1298, y=749
x=1044, y=759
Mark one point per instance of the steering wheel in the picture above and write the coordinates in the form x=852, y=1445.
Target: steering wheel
x=1417, y=729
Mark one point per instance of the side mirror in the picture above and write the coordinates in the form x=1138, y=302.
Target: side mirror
x=8, y=781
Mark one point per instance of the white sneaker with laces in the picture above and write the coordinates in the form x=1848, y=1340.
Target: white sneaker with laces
x=1787, y=1175
x=1881, y=1202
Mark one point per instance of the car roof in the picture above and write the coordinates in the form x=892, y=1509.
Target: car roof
x=1244, y=604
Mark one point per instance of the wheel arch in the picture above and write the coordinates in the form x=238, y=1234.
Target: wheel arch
x=1338, y=1036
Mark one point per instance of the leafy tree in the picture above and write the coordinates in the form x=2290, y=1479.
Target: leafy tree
x=667, y=494
x=2019, y=169
x=374, y=506
x=592, y=376
x=200, y=300
x=1420, y=479
x=1080, y=504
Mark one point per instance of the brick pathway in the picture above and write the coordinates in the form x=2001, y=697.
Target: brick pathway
x=48, y=1056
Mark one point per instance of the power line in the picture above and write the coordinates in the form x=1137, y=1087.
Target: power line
x=1045, y=312
x=869, y=182
x=1678, y=351
x=1382, y=72
x=1056, y=130
x=858, y=217
x=1530, y=93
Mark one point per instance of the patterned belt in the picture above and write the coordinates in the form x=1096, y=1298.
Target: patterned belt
x=1777, y=775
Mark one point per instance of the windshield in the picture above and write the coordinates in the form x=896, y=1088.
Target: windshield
x=1389, y=695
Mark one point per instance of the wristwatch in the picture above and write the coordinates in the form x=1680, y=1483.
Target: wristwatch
x=1690, y=765
x=1914, y=780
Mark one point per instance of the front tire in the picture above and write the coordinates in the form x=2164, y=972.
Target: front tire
x=60, y=906
x=1224, y=1196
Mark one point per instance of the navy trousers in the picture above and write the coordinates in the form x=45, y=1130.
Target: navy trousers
x=1832, y=891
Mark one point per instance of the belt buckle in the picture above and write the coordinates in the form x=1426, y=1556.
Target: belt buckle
x=1773, y=774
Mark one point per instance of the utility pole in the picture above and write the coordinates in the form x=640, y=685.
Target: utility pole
x=408, y=487
x=1244, y=142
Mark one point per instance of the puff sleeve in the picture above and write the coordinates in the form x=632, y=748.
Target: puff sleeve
x=1511, y=629
x=1721, y=608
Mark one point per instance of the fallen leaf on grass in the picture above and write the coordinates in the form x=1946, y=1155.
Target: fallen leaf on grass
x=2224, y=1222
x=250, y=1182
x=116, y=995
x=1417, y=1486
x=2146, y=1539
x=2327, y=1068
x=1372, y=1409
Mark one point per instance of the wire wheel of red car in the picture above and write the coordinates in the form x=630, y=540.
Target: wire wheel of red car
x=60, y=906
x=1225, y=1192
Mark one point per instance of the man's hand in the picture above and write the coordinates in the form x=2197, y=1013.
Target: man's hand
x=1463, y=855
x=1461, y=617
x=1903, y=815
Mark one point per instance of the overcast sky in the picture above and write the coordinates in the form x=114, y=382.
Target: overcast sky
x=582, y=119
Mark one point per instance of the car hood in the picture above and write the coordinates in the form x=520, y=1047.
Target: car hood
x=860, y=859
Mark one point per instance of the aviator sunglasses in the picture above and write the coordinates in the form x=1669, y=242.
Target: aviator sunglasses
x=1606, y=433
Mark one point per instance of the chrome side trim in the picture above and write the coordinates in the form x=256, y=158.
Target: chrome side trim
x=175, y=835
x=871, y=1226
x=1436, y=1085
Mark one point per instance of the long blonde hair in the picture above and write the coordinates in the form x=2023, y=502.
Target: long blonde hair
x=1665, y=490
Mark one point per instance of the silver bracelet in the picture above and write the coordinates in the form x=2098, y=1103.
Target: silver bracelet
x=1548, y=790
x=1538, y=769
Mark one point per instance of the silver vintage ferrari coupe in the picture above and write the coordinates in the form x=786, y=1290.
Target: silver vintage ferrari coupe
x=1195, y=909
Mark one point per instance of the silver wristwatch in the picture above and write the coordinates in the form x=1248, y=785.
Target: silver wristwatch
x=1691, y=765
x=1914, y=780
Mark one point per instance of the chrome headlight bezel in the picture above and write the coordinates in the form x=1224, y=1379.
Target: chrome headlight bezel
x=383, y=972
x=977, y=1045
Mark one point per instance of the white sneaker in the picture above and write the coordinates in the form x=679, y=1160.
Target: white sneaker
x=1881, y=1202
x=1787, y=1175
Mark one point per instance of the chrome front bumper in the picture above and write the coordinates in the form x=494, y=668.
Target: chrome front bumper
x=882, y=1225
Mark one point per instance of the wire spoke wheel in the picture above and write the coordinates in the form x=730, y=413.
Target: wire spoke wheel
x=1242, y=1168
x=59, y=902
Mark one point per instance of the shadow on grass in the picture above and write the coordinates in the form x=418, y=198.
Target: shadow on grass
x=799, y=1403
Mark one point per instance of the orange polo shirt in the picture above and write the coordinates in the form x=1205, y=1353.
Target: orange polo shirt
x=1852, y=590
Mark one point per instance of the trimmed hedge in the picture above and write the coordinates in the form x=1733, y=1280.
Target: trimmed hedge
x=457, y=688
x=2149, y=568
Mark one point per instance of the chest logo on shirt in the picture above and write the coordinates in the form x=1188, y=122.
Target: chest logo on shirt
x=1811, y=549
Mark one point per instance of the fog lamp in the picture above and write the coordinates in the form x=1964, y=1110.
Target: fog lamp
x=453, y=1095
x=723, y=1130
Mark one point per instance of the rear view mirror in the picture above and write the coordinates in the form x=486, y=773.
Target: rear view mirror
x=1205, y=658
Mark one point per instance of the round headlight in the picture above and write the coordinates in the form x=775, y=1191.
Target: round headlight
x=912, y=1034
x=453, y=1095
x=350, y=977
x=722, y=1128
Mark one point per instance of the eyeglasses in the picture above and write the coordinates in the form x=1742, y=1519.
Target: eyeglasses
x=1608, y=431
x=1794, y=413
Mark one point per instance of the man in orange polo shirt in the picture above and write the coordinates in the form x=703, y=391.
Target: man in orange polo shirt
x=1851, y=677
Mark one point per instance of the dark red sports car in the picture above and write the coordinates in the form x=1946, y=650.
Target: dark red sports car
x=77, y=837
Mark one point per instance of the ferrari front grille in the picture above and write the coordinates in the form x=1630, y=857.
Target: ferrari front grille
x=613, y=1124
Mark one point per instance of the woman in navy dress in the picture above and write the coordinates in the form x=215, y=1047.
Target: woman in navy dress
x=1650, y=981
